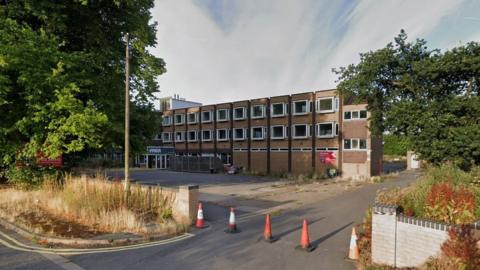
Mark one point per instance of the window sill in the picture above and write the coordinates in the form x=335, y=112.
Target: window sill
x=326, y=111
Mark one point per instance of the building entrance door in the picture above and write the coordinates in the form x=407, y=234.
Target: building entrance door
x=164, y=159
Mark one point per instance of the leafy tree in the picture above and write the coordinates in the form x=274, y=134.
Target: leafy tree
x=430, y=97
x=62, y=75
x=395, y=145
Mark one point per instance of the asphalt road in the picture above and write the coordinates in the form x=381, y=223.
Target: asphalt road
x=330, y=221
x=171, y=178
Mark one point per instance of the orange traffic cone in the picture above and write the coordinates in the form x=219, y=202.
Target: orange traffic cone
x=267, y=232
x=232, y=226
x=305, y=240
x=200, y=221
x=354, y=252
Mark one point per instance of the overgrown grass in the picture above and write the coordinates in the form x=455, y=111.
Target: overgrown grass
x=96, y=203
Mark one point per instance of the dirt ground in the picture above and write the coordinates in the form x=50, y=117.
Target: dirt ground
x=275, y=196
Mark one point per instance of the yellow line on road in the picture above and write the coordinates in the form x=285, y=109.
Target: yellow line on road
x=23, y=247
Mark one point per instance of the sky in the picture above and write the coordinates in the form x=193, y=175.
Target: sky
x=228, y=50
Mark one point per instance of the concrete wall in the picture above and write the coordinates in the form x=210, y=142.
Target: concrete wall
x=402, y=241
x=186, y=204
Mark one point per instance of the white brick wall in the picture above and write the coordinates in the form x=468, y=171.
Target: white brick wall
x=383, y=238
x=404, y=242
x=415, y=244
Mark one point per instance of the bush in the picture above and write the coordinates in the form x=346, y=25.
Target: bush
x=31, y=176
x=446, y=204
x=460, y=251
x=444, y=193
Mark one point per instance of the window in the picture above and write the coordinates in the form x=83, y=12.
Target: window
x=222, y=115
x=355, y=114
x=206, y=135
x=179, y=119
x=167, y=120
x=278, y=109
x=222, y=134
x=363, y=114
x=192, y=136
x=206, y=116
x=301, y=107
x=300, y=131
x=325, y=130
x=179, y=136
x=166, y=137
x=239, y=134
x=239, y=113
x=347, y=144
x=192, y=118
x=277, y=132
x=354, y=144
x=258, y=133
x=258, y=111
x=325, y=105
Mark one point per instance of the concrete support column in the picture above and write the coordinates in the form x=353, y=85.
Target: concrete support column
x=186, y=204
x=384, y=233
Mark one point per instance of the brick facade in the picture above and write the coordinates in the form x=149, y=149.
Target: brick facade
x=283, y=134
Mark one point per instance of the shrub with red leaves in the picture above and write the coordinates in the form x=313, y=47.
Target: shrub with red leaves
x=460, y=251
x=446, y=204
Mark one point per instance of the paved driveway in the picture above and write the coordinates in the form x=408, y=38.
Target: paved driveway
x=171, y=178
x=330, y=227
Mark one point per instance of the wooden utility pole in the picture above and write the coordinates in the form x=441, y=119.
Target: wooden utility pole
x=127, y=118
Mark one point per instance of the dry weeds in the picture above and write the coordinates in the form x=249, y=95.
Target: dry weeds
x=97, y=203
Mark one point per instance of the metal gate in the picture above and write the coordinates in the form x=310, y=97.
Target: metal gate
x=196, y=164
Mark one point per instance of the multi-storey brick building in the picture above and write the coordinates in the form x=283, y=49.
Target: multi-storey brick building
x=298, y=133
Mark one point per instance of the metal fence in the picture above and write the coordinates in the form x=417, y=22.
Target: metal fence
x=195, y=164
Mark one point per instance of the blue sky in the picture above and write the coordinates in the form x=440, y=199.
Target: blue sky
x=225, y=50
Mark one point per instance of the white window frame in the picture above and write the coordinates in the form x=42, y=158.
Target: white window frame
x=326, y=136
x=263, y=133
x=252, y=110
x=182, y=117
x=358, y=145
x=234, y=134
x=211, y=117
x=169, y=137
x=284, y=106
x=294, y=103
x=244, y=109
x=211, y=135
x=226, y=132
x=188, y=136
x=307, y=131
x=226, y=114
x=356, y=118
x=359, y=113
x=169, y=122
x=196, y=118
x=283, y=132
x=319, y=110
x=182, y=137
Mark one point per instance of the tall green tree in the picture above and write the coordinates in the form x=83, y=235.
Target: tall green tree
x=428, y=96
x=66, y=59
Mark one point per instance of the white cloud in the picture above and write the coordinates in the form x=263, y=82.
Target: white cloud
x=276, y=47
